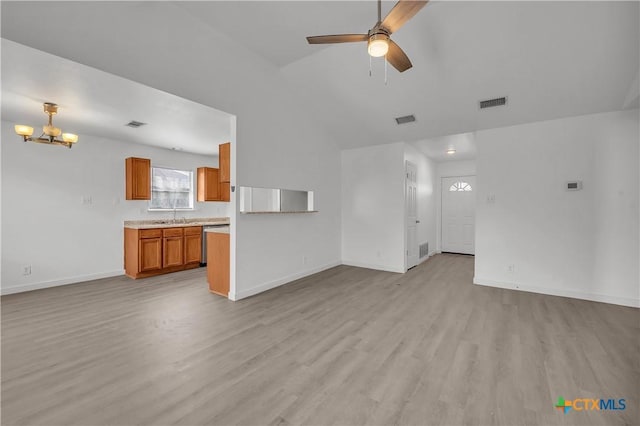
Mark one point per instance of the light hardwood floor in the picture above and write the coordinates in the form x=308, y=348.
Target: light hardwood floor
x=347, y=346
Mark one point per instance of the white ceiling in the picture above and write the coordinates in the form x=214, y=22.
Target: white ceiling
x=93, y=102
x=464, y=145
x=552, y=59
x=277, y=29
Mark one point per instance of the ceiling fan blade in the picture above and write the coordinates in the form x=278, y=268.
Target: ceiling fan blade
x=401, y=13
x=397, y=57
x=338, y=38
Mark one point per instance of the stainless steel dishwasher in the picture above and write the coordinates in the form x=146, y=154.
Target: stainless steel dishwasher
x=203, y=256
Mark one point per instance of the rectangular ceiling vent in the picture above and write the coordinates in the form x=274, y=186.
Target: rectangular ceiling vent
x=489, y=103
x=135, y=124
x=406, y=119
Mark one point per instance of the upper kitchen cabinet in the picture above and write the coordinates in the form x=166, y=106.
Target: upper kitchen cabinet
x=138, y=178
x=208, y=184
x=224, y=155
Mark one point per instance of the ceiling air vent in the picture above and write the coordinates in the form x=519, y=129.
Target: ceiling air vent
x=135, y=124
x=489, y=103
x=406, y=119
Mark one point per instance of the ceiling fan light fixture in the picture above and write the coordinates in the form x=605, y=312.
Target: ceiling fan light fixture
x=451, y=151
x=378, y=45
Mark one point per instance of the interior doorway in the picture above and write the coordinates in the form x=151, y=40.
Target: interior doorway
x=458, y=214
x=411, y=209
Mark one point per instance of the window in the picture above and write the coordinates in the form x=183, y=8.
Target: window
x=171, y=189
x=460, y=186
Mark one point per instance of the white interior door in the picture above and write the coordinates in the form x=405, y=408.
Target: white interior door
x=411, y=208
x=459, y=214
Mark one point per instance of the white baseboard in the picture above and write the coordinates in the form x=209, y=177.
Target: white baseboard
x=373, y=266
x=55, y=283
x=594, y=297
x=281, y=281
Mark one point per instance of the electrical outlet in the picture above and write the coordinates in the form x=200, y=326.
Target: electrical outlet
x=304, y=260
x=87, y=200
x=491, y=198
x=511, y=268
x=26, y=270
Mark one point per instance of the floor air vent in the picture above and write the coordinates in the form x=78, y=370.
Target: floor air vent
x=489, y=103
x=406, y=119
x=424, y=250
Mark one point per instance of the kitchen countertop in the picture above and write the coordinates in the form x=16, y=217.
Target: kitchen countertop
x=218, y=230
x=168, y=223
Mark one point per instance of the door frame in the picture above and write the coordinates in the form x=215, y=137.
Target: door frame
x=406, y=216
x=439, y=224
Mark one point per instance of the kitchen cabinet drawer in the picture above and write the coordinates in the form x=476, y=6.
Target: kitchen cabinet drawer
x=150, y=233
x=193, y=230
x=172, y=232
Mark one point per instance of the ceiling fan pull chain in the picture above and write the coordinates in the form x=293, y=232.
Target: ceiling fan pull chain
x=385, y=70
x=369, y=65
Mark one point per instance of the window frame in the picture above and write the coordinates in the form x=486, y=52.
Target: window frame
x=192, y=191
x=461, y=186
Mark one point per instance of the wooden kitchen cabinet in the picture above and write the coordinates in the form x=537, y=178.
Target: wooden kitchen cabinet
x=208, y=184
x=218, y=263
x=192, y=245
x=149, y=252
x=224, y=162
x=137, y=178
x=172, y=247
x=225, y=191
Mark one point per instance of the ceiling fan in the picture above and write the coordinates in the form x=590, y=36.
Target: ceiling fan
x=379, y=37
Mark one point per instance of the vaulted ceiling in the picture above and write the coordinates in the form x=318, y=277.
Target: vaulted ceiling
x=551, y=59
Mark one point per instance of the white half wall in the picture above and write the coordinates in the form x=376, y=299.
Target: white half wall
x=581, y=244
x=46, y=225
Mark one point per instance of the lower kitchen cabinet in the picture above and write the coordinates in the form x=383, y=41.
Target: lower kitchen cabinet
x=218, y=263
x=192, y=248
x=150, y=255
x=172, y=247
x=149, y=252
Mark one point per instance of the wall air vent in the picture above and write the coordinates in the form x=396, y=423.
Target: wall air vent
x=406, y=119
x=489, y=103
x=135, y=124
x=424, y=250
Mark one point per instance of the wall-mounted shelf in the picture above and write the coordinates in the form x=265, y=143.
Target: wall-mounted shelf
x=267, y=212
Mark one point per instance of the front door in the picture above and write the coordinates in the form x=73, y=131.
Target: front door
x=459, y=214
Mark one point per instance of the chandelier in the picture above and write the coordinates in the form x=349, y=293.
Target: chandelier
x=50, y=133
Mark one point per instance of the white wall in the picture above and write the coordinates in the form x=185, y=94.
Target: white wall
x=46, y=225
x=580, y=244
x=449, y=169
x=278, y=143
x=427, y=196
x=373, y=205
